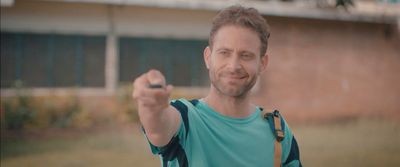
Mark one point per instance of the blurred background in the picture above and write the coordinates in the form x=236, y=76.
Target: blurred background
x=67, y=68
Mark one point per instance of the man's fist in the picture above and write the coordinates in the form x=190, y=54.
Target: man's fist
x=151, y=92
x=159, y=119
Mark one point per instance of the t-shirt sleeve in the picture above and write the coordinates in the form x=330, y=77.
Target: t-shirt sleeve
x=173, y=141
x=178, y=140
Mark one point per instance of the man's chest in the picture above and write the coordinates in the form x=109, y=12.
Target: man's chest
x=219, y=144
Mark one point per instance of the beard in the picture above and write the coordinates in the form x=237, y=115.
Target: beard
x=235, y=84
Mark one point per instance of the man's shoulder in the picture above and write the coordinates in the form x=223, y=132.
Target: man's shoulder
x=184, y=104
x=186, y=107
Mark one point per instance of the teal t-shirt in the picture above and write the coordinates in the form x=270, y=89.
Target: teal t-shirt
x=207, y=138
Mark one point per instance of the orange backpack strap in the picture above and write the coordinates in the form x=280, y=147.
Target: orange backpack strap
x=279, y=136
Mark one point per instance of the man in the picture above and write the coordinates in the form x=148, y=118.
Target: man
x=223, y=129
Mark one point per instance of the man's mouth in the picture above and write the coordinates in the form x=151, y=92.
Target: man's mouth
x=235, y=77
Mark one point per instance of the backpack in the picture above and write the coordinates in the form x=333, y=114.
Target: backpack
x=275, y=117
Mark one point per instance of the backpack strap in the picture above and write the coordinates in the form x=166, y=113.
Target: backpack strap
x=279, y=135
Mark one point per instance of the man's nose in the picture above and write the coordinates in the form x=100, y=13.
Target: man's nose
x=234, y=63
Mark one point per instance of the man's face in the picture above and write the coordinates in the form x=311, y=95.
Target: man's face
x=234, y=62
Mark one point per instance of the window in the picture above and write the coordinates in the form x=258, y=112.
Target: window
x=51, y=60
x=181, y=61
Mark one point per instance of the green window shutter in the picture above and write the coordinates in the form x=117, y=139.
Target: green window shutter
x=180, y=60
x=51, y=60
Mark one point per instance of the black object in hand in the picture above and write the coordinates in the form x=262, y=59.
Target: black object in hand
x=155, y=86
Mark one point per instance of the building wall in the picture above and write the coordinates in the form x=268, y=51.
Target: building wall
x=112, y=22
x=318, y=69
x=81, y=18
x=341, y=68
x=162, y=23
x=53, y=17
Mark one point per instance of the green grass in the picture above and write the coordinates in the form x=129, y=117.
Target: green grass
x=365, y=143
x=356, y=143
x=120, y=148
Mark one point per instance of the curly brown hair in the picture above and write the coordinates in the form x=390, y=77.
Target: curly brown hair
x=244, y=17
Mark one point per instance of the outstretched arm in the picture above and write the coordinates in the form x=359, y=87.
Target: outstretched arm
x=159, y=119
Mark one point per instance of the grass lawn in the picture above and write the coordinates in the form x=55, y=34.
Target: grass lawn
x=356, y=143
x=366, y=143
x=119, y=148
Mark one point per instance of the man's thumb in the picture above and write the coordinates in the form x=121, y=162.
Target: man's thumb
x=156, y=77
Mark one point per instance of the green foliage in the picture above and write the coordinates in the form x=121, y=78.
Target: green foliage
x=18, y=112
x=126, y=103
x=63, y=116
x=26, y=111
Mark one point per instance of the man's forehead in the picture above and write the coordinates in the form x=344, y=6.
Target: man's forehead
x=237, y=39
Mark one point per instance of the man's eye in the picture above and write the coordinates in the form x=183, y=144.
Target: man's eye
x=247, y=56
x=224, y=53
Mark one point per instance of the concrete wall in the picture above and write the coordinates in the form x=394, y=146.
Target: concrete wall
x=51, y=17
x=164, y=23
x=322, y=69
x=81, y=18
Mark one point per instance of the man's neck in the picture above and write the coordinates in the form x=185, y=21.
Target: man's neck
x=237, y=107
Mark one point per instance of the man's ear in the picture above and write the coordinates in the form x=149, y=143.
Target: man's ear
x=264, y=62
x=207, y=56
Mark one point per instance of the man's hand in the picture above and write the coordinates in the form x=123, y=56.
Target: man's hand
x=150, y=91
x=159, y=119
